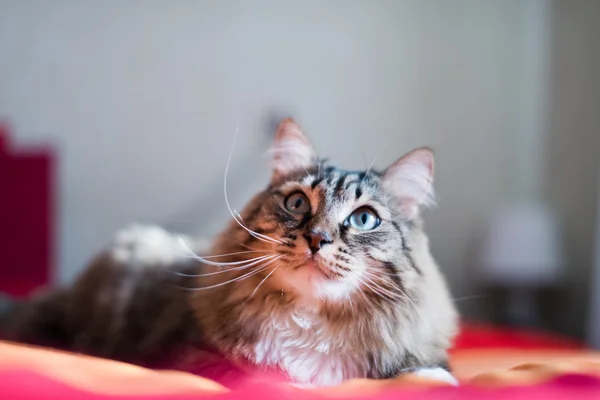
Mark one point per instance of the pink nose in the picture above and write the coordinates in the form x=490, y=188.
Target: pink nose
x=317, y=239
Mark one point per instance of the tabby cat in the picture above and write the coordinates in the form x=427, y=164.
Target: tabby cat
x=326, y=275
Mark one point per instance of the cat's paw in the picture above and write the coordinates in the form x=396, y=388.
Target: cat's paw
x=148, y=245
x=438, y=374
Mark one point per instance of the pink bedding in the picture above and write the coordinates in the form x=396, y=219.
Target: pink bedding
x=17, y=385
x=35, y=373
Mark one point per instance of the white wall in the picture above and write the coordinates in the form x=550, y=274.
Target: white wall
x=142, y=99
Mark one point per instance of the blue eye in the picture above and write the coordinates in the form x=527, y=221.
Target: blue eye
x=297, y=203
x=364, y=219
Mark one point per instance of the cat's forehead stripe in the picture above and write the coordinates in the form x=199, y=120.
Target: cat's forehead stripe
x=339, y=186
x=345, y=180
x=358, y=192
x=315, y=182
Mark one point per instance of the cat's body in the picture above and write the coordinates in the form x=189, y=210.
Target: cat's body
x=331, y=279
x=127, y=305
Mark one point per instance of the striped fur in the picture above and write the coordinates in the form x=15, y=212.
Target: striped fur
x=366, y=304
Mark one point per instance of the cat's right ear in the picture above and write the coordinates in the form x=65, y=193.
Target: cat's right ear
x=291, y=151
x=409, y=182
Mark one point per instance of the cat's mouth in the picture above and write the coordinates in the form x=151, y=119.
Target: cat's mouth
x=316, y=265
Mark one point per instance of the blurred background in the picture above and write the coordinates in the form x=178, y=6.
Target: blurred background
x=117, y=112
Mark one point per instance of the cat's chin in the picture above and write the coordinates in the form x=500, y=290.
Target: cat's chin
x=314, y=267
x=313, y=280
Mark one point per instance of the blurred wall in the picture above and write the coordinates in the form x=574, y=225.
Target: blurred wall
x=142, y=99
x=573, y=155
x=593, y=323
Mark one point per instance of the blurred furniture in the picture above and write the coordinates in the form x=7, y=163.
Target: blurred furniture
x=521, y=252
x=26, y=217
x=487, y=336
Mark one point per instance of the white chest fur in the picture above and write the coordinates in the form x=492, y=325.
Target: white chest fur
x=309, y=351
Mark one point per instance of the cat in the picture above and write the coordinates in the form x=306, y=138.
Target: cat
x=326, y=275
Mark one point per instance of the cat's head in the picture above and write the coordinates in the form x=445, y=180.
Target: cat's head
x=333, y=232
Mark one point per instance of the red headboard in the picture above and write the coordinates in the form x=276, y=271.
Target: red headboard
x=26, y=217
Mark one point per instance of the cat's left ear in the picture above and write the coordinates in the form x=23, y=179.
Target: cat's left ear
x=409, y=182
x=291, y=151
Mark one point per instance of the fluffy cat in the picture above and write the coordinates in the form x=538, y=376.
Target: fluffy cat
x=326, y=275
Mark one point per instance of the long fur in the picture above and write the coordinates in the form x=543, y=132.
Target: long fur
x=367, y=304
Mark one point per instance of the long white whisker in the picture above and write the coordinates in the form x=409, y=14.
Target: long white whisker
x=255, y=234
x=221, y=264
x=384, y=290
x=472, y=297
x=400, y=290
x=223, y=255
x=263, y=281
x=239, y=278
x=218, y=264
x=377, y=290
x=363, y=293
x=375, y=283
x=364, y=156
x=372, y=289
x=370, y=166
x=350, y=300
x=226, y=270
x=383, y=296
x=319, y=169
x=244, y=245
x=237, y=253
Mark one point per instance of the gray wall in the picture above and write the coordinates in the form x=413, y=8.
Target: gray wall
x=593, y=325
x=573, y=155
x=142, y=99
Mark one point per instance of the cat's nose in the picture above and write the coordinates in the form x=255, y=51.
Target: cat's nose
x=317, y=239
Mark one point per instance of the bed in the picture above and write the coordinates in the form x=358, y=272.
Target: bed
x=491, y=363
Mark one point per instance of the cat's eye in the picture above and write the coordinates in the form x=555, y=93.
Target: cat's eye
x=364, y=219
x=297, y=203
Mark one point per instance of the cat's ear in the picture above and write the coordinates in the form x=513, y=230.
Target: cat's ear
x=409, y=182
x=291, y=151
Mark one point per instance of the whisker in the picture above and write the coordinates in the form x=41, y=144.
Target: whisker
x=380, y=295
x=239, y=278
x=251, y=232
x=225, y=270
x=245, y=245
x=384, y=290
x=350, y=300
x=319, y=163
x=385, y=296
x=379, y=291
x=263, y=281
x=399, y=289
x=215, y=255
x=364, y=157
x=363, y=293
x=472, y=297
x=218, y=264
x=235, y=254
x=370, y=166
